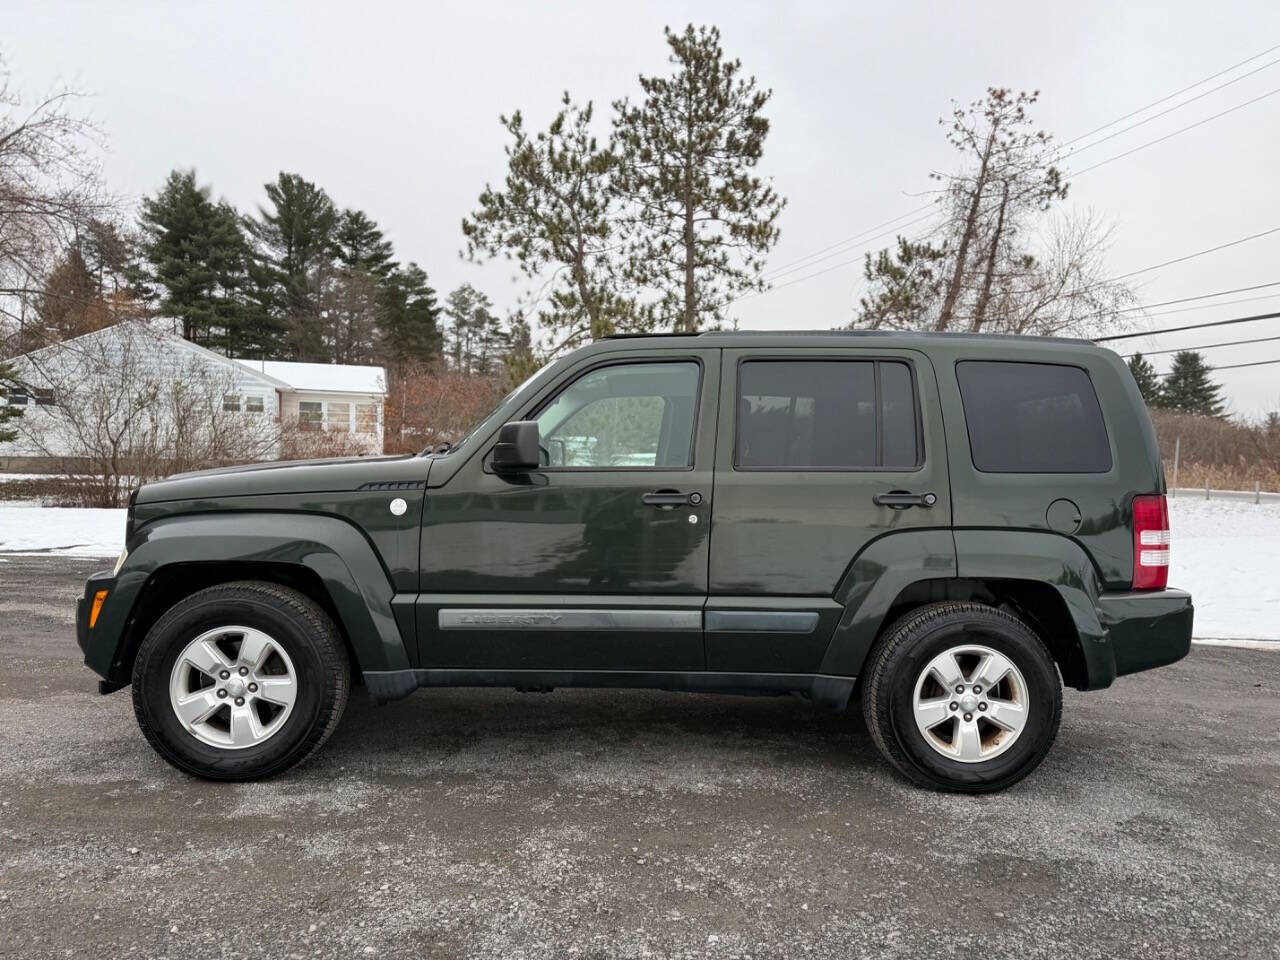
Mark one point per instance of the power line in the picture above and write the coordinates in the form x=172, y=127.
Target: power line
x=1198, y=253
x=1203, y=296
x=1192, y=126
x=1176, y=106
x=809, y=258
x=1176, y=93
x=1203, y=346
x=834, y=266
x=840, y=243
x=1190, y=326
x=1213, y=306
x=1232, y=366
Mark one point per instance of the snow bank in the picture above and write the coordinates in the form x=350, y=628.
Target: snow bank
x=1226, y=552
x=63, y=531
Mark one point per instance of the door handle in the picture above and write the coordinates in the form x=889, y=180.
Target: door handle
x=901, y=499
x=671, y=498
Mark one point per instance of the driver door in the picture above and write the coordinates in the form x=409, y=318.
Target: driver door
x=598, y=560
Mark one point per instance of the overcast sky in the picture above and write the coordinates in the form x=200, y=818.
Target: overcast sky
x=393, y=109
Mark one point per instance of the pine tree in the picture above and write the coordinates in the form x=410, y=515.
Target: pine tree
x=556, y=210
x=702, y=221
x=198, y=255
x=466, y=308
x=1188, y=389
x=297, y=239
x=1147, y=379
x=65, y=308
x=411, y=320
x=521, y=361
x=8, y=411
x=902, y=285
x=359, y=244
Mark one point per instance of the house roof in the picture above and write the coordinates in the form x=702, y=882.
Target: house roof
x=322, y=377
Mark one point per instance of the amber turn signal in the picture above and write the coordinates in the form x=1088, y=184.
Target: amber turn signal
x=98, y=599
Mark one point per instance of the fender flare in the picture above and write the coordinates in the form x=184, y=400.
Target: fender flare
x=335, y=551
x=891, y=564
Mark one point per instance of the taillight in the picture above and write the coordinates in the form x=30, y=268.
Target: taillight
x=1150, y=542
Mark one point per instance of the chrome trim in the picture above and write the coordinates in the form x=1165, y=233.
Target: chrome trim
x=761, y=621
x=550, y=618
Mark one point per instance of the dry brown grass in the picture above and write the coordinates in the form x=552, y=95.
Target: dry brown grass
x=1227, y=454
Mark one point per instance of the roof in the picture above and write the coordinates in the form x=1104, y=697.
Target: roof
x=321, y=377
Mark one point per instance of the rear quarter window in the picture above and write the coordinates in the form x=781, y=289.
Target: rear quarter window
x=1032, y=418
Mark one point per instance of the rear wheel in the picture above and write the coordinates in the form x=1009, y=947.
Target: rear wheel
x=963, y=697
x=240, y=681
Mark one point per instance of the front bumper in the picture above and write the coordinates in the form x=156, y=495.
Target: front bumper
x=1146, y=628
x=99, y=642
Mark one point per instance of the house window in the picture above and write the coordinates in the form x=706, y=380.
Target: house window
x=253, y=405
x=338, y=417
x=17, y=396
x=310, y=415
x=43, y=397
x=366, y=418
x=231, y=402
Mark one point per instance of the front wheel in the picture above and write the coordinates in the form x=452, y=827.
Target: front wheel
x=962, y=697
x=240, y=681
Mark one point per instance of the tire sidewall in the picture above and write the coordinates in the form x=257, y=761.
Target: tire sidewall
x=160, y=651
x=1043, y=690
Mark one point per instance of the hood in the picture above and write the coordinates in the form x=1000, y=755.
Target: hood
x=283, y=476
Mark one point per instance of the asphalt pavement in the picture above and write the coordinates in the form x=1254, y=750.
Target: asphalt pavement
x=492, y=824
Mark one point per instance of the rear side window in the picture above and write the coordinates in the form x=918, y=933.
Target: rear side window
x=826, y=414
x=1032, y=418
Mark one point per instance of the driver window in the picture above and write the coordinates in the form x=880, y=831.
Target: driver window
x=634, y=415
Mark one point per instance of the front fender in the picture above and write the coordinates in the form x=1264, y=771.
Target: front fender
x=334, y=550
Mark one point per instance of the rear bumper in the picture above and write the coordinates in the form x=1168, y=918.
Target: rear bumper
x=1146, y=628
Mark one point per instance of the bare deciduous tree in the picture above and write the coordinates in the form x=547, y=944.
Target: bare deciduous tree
x=49, y=192
x=998, y=260
x=117, y=418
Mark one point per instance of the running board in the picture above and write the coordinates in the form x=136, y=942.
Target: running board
x=821, y=689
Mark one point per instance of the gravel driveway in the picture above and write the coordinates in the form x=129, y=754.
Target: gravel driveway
x=628, y=824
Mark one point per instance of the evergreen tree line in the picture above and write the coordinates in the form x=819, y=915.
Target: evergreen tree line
x=300, y=279
x=1187, y=388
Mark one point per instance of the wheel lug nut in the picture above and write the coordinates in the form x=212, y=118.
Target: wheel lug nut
x=239, y=701
x=959, y=688
x=954, y=705
x=243, y=671
x=222, y=694
x=982, y=706
x=976, y=688
x=224, y=674
x=253, y=688
x=967, y=716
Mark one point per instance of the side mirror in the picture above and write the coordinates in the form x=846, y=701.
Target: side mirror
x=517, y=448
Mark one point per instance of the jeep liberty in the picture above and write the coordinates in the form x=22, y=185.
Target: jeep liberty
x=942, y=528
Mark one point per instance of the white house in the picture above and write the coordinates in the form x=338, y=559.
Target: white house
x=341, y=404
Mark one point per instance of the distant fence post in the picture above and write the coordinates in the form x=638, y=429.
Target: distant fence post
x=1177, y=450
x=1257, y=491
x=1206, y=488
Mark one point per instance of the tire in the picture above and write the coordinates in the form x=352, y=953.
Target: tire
x=903, y=693
x=290, y=687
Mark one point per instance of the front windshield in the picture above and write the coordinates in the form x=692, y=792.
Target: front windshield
x=484, y=423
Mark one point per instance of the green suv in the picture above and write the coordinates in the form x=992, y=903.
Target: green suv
x=945, y=528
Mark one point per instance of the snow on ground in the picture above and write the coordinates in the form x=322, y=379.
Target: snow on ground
x=26, y=527
x=1226, y=552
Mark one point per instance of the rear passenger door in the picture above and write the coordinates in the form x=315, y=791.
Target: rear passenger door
x=808, y=441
